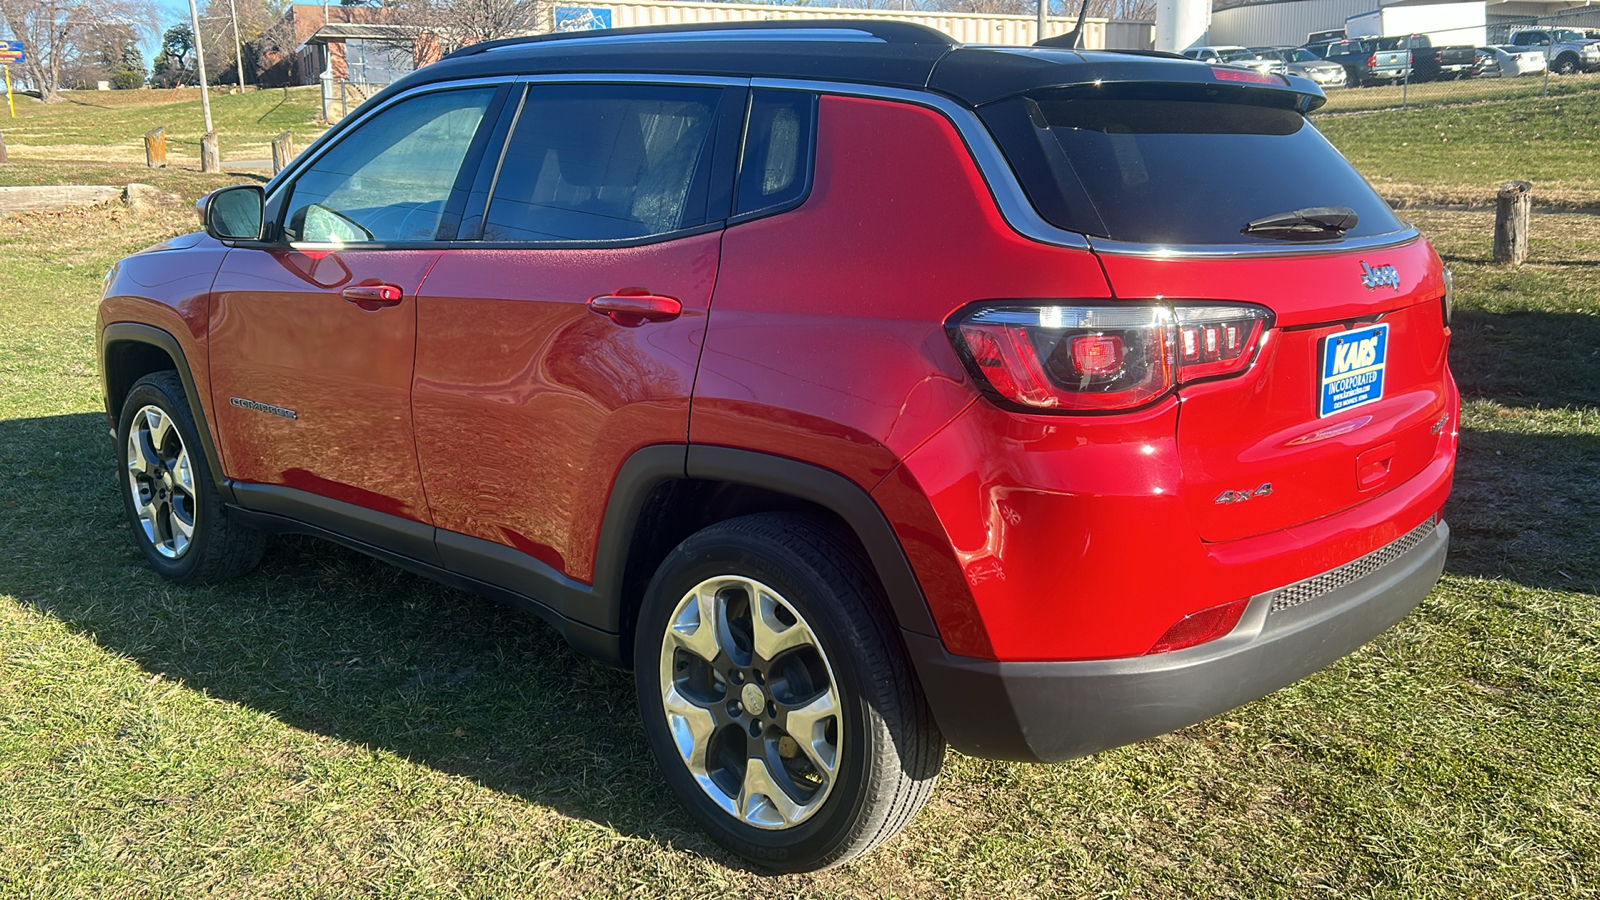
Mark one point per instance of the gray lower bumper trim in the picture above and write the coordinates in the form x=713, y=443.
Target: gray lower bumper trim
x=1050, y=711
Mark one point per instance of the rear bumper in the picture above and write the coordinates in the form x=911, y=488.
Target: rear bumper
x=1051, y=711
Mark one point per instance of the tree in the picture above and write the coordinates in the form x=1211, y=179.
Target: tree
x=172, y=63
x=60, y=34
x=460, y=23
x=217, y=19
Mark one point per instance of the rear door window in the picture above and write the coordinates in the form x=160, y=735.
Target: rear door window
x=774, y=169
x=1170, y=168
x=602, y=162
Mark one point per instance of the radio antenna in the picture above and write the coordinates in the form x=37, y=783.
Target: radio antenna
x=1068, y=41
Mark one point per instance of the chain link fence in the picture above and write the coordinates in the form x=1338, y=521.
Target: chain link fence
x=1506, y=58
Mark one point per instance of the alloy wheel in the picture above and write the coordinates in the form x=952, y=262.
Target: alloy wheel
x=751, y=702
x=160, y=482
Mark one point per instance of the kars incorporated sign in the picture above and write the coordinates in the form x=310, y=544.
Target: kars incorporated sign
x=11, y=53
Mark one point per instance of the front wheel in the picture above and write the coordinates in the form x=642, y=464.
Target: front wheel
x=1566, y=65
x=776, y=696
x=178, y=518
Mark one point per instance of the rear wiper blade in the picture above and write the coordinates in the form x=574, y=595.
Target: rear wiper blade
x=1318, y=221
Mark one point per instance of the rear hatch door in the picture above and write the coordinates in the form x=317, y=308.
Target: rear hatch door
x=1345, y=396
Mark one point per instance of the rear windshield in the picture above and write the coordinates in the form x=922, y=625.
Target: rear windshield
x=1164, y=170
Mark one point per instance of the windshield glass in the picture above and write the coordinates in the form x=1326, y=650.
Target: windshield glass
x=1235, y=55
x=1302, y=56
x=1175, y=169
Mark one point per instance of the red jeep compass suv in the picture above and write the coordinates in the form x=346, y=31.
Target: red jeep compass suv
x=865, y=392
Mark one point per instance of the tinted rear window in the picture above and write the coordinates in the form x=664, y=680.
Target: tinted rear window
x=1191, y=170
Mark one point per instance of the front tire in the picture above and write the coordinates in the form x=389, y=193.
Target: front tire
x=777, y=697
x=179, y=522
x=1566, y=64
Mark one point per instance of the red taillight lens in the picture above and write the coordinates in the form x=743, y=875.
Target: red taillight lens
x=1218, y=340
x=1097, y=354
x=1223, y=73
x=1097, y=358
x=1197, y=628
x=1372, y=61
x=1071, y=357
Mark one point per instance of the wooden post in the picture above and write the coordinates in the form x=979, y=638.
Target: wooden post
x=282, y=151
x=1512, y=208
x=155, y=148
x=210, y=157
x=4, y=158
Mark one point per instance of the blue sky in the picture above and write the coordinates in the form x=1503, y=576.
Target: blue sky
x=169, y=13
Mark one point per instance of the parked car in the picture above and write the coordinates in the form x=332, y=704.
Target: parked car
x=1302, y=62
x=1509, y=61
x=1231, y=56
x=828, y=374
x=1567, y=51
x=1364, y=62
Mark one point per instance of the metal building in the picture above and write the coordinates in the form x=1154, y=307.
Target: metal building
x=969, y=28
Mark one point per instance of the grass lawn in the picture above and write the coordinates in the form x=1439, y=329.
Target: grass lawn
x=1469, y=90
x=1461, y=154
x=330, y=726
x=97, y=137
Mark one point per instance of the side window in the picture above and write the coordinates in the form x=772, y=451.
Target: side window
x=388, y=178
x=594, y=162
x=774, y=169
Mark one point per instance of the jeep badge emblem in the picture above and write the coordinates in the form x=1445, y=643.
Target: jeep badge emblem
x=1372, y=276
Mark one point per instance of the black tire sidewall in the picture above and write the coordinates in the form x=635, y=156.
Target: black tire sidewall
x=832, y=825
x=159, y=392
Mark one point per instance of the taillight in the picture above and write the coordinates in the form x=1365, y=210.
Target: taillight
x=1448, y=301
x=1217, y=340
x=1226, y=73
x=1372, y=61
x=1072, y=358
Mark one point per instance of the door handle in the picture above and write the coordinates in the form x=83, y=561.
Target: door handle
x=372, y=297
x=632, y=307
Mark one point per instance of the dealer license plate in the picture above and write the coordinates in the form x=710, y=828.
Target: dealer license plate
x=1352, y=369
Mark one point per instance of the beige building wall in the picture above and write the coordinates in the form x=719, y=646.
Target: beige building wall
x=969, y=28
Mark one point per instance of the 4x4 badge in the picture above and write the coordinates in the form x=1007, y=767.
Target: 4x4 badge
x=1372, y=276
x=1265, y=490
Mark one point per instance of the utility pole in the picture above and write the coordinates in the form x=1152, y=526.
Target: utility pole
x=238, y=51
x=1044, y=10
x=208, y=160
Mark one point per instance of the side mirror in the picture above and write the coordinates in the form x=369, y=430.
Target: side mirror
x=234, y=213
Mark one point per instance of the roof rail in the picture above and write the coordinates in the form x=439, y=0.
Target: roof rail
x=833, y=30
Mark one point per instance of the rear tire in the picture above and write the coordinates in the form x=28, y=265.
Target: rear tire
x=777, y=697
x=179, y=522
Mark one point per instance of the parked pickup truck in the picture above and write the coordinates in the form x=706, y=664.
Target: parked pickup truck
x=1430, y=63
x=1566, y=50
x=1365, y=61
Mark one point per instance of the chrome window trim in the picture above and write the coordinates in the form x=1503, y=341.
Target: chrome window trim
x=638, y=78
x=1003, y=185
x=1018, y=211
x=1244, y=251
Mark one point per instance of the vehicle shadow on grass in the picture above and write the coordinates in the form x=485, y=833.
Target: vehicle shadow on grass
x=333, y=642
x=1526, y=503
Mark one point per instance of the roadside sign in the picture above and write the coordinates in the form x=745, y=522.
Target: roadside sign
x=11, y=53
x=580, y=18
